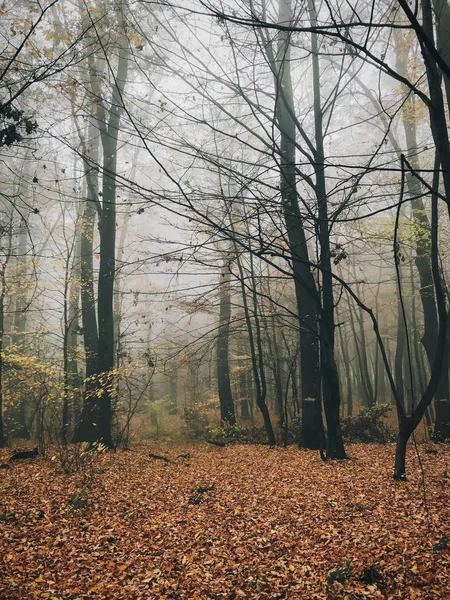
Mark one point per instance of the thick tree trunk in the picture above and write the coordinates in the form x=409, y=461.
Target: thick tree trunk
x=423, y=248
x=442, y=420
x=405, y=431
x=330, y=375
x=86, y=428
x=307, y=298
x=96, y=421
x=442, y=15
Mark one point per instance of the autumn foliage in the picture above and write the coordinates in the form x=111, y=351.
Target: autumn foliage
x=233, y=522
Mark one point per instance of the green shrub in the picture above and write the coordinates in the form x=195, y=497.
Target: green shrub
x=341, y=575
x=368, y=426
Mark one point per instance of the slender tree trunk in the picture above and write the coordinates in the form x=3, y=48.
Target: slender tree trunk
x=364, y=363
x=86, y=428
x=66, y=333
x=243, y=387
x=255, y=344
x=18, y=413
x=75, y=380
x=2, y=333
x=227, y=412
x=3, y=283
x=275, y=359
x=348, y=376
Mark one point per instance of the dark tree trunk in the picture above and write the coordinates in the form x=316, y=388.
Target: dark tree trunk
x=307, y=298
x=330, y=375
x=255, y=344
x=442, y=15
x=442, y=420
x=365, y=372
x=423, y=244
x=405, y=431
x=96, y=420
x=105, y=309
x=85, y=429
x=227, y=411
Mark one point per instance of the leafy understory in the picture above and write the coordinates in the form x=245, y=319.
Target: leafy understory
x=234, y=522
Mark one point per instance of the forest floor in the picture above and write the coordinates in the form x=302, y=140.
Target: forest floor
x=234, y=522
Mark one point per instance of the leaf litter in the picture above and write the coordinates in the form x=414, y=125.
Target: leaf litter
x=235, y=522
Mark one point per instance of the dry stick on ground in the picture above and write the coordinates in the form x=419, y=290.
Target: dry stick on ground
x=158, y=457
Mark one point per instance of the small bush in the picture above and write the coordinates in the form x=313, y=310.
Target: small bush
x=239, y=434
x=368, y=426
x=295, y=430
x=196, y=421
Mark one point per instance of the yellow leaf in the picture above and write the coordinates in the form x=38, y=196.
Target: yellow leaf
x=40, y=579
x=122, y=567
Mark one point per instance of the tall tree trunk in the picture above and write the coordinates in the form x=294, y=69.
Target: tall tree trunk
x=364, y=363
x=227, y=412
x=86, y=430
x=348, y=376
x=255, y=344
x=107, y=231
x=18, y=413
x=308, y=303
x=330, y=375
x=442, y=15
x=3, y=284
x=66, y=332
x=75, y=380
x=243, y=385
x=97, y=411
x=408, y=423
x=423, y=261
x=2, y=332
